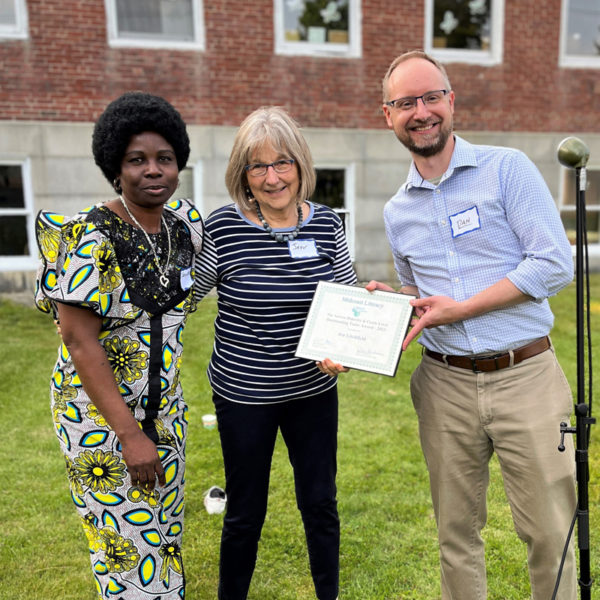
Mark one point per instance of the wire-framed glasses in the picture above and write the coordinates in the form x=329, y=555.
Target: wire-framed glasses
x=283, y=165
x=410, y=102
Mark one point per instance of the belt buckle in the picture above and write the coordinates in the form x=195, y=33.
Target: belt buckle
x=474, y=365
x=493, y=357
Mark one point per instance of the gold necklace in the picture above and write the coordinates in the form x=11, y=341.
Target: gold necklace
x=164, y=280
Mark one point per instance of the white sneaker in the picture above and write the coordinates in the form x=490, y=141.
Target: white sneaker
x=215, y=500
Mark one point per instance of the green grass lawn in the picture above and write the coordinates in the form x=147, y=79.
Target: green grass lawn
x=388, y=547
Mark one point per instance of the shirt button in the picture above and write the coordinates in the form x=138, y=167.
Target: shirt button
x=455, y=280
x=443, y=221
x=474, y=339
x=451, y=252
x=438, y=191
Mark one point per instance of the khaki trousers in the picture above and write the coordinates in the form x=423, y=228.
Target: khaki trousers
x=516, y=412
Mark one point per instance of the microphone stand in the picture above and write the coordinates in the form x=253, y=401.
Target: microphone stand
x=573, y=153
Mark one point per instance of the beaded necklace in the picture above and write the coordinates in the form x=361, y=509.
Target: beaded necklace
x=164, y=280
x=280, y=237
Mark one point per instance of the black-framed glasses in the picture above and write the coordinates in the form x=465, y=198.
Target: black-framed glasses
x=283, y=165
x=410, y=102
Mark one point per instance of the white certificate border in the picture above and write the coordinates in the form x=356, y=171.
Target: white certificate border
x=327, y=292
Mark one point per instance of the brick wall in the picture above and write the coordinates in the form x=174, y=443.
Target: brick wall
x=66, y=71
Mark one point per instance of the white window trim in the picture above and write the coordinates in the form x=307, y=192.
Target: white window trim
x=351, y=50
x=349, y=200
x=120, y=42
x=29, y=261
x=198, y=179
x=196, y=175
x=493, y=56
x=20, y=29
x=572, y=61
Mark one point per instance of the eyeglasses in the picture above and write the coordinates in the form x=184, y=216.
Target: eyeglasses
x=279, y=166
x=410, y=102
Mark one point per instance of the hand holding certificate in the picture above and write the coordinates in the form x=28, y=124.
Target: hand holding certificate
x=357, y=328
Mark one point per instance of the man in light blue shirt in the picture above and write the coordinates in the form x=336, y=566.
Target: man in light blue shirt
x=475, y=234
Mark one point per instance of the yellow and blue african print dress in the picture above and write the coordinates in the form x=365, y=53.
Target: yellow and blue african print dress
x=97, y=261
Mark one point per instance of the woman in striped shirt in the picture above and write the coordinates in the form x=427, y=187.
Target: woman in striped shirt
x=265, y=253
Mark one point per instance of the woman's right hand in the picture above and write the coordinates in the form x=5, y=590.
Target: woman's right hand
x=142, y=460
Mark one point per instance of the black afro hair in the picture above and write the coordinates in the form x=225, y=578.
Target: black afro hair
x=131, y=114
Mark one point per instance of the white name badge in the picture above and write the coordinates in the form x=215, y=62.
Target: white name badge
x=465, y=221
x=303, y=248
x=186, y=278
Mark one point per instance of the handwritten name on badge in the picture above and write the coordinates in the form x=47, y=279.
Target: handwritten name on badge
x=465, y=221
x=303, y=248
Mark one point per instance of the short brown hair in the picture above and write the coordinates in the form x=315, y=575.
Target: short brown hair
x=407, y=56
x=273, y=125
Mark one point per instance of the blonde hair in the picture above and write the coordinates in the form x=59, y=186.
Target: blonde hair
x=274, y=126
x=407, y=56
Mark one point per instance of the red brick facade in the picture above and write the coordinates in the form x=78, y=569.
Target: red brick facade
x=66, y=71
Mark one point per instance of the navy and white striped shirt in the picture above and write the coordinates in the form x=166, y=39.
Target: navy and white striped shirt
x=263, y=298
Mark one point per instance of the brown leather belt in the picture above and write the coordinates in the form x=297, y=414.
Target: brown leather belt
x=493, y=362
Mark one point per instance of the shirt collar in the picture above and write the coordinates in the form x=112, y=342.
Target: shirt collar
x=463, y=155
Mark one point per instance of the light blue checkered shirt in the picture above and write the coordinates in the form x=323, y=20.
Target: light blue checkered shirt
x=491, y=216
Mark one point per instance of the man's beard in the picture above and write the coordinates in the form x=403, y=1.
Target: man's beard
x=435, y=147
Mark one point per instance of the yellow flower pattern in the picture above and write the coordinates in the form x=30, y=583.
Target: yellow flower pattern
x=95, y=415
x=171, y=555
x=120, y=553
x=73, y=476
x=109, y=272
x=91, y=532
x=165, y=437
x=127, y=360
x=100, y=471
x=49, y=240
x=150, y=497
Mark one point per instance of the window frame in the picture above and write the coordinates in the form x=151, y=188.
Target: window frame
x=353, y=49
x=20, y=30
x=563, y=206
x=349, y=200
x=197, y=178
x=491, y=57
x=23, y=261
x=123, y=42
x=573, y=61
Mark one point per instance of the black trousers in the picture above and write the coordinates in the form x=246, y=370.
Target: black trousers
x=248, y=433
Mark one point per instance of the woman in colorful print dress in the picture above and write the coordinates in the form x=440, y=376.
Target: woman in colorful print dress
x=118, y=276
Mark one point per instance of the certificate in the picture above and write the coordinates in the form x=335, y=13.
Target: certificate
x=357, y=328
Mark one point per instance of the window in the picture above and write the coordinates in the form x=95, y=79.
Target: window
x=13, y=19
x=318, y=27
x=468, y=31
x=580, y=33
x=592, y=202
x=17, y=239
x=156, y=23
x=335, y=188
x=190, y=185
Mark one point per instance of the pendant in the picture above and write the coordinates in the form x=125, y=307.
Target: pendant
x=164, y=280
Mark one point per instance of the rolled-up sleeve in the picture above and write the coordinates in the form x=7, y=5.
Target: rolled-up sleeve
x=547, y=265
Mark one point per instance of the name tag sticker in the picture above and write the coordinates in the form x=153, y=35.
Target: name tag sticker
x=303, y=248
x=186, y=278
x=465, y=221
